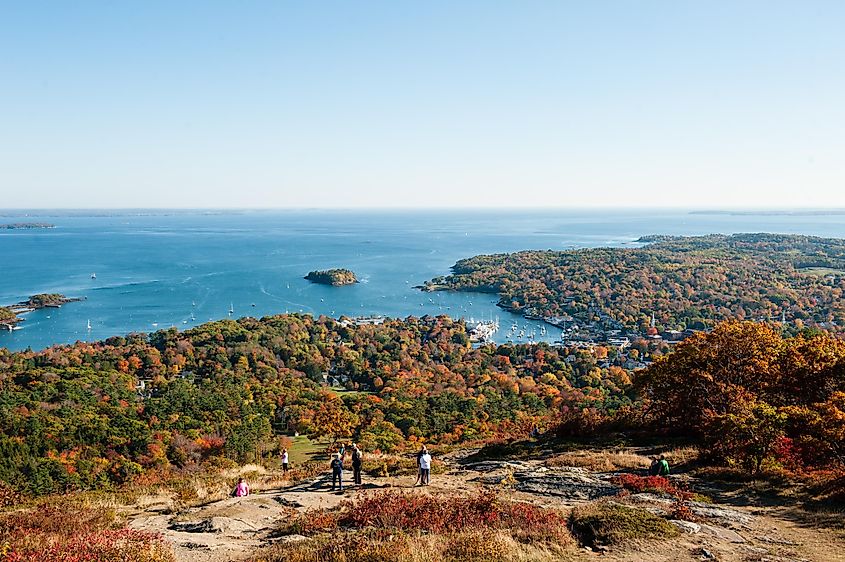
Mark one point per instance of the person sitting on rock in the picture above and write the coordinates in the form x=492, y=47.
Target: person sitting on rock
x=663, y=467
x=654, y=469
x=242, y=489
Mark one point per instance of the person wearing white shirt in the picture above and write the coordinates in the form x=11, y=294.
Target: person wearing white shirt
x=425, y=468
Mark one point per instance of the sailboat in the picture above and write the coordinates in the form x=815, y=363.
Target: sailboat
x=89, y=325
x=93, y=276
x=231, y=309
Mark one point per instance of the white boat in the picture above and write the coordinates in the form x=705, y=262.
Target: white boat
x=89, y=325
x=231, y=309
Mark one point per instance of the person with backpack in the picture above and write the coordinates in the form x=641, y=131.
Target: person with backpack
x=357, y=461
x=337, y=471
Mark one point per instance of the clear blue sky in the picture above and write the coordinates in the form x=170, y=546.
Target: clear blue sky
x=454, y=103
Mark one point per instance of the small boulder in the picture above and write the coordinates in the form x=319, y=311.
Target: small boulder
x=686, y=526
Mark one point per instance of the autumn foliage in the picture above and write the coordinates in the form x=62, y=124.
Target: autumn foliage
x=751, y=396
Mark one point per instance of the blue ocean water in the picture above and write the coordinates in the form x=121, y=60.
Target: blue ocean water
x=156, y=269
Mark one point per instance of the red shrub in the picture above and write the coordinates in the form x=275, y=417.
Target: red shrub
x=396, y=511
x=653, y=484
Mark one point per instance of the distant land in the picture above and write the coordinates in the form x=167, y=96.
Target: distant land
x=334, y=277
x=26, y=225
x=774, y=213
x=9, y=315
x=674, y=283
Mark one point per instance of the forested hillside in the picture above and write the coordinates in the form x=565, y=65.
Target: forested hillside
x=91, y=415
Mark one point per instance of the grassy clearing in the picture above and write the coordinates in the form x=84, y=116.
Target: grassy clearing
x=304, y=450
x=609, y=523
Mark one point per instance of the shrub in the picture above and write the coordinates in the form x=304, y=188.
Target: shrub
x=605, y=523
x=401, y=512
x=74, y=532
x=651, y=484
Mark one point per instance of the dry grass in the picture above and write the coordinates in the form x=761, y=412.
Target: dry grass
x=680, y=456
x=601, y=461
x=377, y=546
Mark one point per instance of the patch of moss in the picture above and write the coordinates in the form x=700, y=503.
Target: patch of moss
x=606, y=523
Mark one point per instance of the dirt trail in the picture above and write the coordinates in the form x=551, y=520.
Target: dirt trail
x=234, y=528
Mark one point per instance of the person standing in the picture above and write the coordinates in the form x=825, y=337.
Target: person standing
x=419, y=470
x=357, y=461
x=425, y=468
x=337, y=471
x=285, y=461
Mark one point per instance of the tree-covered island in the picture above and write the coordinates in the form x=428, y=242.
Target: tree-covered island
x=334, y=277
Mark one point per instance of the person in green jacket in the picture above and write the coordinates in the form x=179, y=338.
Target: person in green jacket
x=663, y=467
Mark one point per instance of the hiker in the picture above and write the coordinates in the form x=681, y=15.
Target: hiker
x=356, y=464
x=654, y=469
x=337, y=471
x=242, y=489
x=663, y=467
x=419, y=469
x=285, y=461
x=425, y=468
x=342, y=450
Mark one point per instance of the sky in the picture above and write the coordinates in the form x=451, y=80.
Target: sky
x=476, y=103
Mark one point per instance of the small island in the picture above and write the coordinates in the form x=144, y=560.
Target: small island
x=334, y=277
x=26, y=225
x=10, y=315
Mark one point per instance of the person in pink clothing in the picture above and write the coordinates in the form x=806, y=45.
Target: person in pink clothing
x=242, y=489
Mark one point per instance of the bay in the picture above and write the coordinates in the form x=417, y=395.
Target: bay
x=157, y=269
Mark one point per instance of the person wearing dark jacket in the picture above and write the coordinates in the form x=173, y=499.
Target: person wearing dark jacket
x=337, y=471
x=357, y=461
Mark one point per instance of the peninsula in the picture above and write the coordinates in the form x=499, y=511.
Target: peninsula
x=10, y=315
x=334, y=277
x=670, y=284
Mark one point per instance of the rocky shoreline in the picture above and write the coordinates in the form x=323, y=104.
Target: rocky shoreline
x=10, y=315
